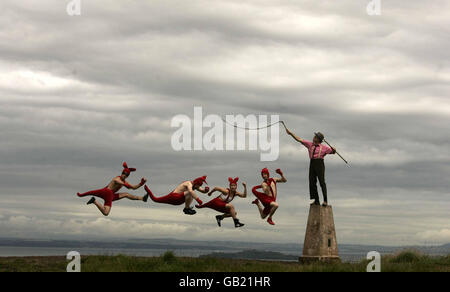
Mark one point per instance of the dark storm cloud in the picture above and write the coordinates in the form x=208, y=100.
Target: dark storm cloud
x=78, y=95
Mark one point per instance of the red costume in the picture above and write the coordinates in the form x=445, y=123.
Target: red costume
x=220, y=203
x=127, y=170
x=106, y=193
x=265, y=199
x=174, y=198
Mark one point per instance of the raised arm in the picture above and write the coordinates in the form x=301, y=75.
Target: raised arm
x=296, y=138
x=243, y=195
x=282, y=179
x=330, y=150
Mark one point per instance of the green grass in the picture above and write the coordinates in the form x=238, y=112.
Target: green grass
x=407, y=261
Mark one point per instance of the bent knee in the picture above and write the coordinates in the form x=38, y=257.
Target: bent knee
x=106, y=212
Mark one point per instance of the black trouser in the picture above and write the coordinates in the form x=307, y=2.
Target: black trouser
x=317, y=170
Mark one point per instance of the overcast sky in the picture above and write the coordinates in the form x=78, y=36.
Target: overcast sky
x=80, y=95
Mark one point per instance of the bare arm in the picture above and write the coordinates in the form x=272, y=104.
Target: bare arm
x=130, y=186
x=218, y=189
x=203, y=190
x=296, y=138
x=244, y=195
x=282, y=179
x=135, y=187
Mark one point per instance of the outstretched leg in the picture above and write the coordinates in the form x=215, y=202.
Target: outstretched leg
x=174, y=199
x=90, y=193
x=131, y=197
x=171, y=199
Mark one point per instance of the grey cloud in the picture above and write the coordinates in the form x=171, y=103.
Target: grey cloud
x=106, y=85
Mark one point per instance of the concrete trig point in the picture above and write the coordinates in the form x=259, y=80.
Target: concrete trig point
x=320, y=238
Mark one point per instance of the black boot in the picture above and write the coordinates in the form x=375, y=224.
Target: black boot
x=237, y=224
x=145, y=198
x=91, y=201
x=219, y=219
x=189, y=211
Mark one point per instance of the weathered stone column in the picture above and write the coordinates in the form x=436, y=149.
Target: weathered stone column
x=320, y=238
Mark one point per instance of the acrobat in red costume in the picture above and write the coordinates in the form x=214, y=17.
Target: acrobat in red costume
x=223, y=204
x=184, y=193
x=110, y=192
x=267, y=201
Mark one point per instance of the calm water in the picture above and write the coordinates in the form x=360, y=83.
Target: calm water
x=6, y=251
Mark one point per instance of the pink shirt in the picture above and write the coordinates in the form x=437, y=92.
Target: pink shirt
x=319, y=150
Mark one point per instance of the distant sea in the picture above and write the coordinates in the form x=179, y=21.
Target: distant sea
x=12, y=251
x=11, y=247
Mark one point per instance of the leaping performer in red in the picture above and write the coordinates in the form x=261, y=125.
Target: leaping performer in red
x=222, y=203
x=268, y=199
x=109, y=193
x=184, y=193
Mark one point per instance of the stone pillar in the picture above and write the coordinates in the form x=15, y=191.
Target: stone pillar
x=320, y=238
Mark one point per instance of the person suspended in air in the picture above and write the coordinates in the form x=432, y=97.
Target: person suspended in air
x=267, y=201
x=222, y=203
x=184, y=193
x=110, y=193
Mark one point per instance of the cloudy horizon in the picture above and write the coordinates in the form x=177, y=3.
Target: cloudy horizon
x=79, y=95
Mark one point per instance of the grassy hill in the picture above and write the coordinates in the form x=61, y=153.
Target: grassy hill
x=406, y=261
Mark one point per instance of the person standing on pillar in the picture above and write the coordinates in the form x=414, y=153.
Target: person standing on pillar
x=317, y=153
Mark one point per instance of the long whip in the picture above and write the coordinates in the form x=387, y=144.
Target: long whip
x=271, y=125
x=255, y=129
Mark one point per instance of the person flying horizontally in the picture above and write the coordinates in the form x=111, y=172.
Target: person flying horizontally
x=184, y=193
x=110, y=192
